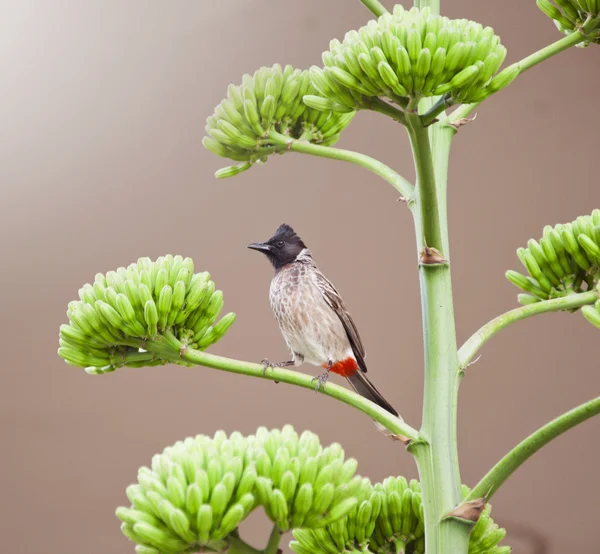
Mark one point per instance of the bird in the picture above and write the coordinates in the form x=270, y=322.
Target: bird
x=312, y=316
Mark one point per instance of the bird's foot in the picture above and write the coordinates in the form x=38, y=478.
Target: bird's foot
x=268, y=365
x=321, y=381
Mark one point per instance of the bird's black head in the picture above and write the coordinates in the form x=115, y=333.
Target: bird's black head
x=282, y=248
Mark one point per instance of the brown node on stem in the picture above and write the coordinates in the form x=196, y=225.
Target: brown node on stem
x=473, y=362
x=431, y=256
x=462, y=121
x=469, y=511
x=392, y=436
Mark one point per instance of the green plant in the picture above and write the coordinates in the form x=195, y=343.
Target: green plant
x=428, y=73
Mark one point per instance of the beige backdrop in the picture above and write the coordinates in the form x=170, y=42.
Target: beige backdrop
x=103, y=107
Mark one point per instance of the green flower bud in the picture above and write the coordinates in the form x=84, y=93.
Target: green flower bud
x=274, y=100
x=350, y=533
x=486, y=535
x=401, y=515
x=385, y=514
x=592, y=314
x=570, y=16
x=564, y=261
x=177, y=508
x=300, y=483
x=137, y=303
x=410, y=54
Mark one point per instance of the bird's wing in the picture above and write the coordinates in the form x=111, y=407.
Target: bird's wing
x=334, y=300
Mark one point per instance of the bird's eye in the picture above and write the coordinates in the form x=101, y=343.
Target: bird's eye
x=280, y=243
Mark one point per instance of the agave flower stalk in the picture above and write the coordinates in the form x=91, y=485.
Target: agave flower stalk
x=412, y=66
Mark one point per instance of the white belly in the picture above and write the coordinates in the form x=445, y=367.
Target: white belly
x=310, y=327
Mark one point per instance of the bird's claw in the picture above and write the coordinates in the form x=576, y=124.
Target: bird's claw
x=266, y=365
x=321, y=381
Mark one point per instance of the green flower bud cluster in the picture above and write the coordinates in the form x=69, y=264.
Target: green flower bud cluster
x=300, y=483
x=387, y=515
x=401, y=516
x=350, y=534
x=197, y=492
x=123, y=308
x=570, y=15
x=566, y=260
x=270, y=101
x=193, y=496
x=412, y=54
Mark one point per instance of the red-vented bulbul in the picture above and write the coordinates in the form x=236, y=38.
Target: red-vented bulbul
x=312, y=316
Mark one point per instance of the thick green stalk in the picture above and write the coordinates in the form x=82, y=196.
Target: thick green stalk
x=429, y=231
x=437, y=453
x=523, y=451
x=400, y=546
x=376, y=7
x=573, y=301
x=403, y=186
x=274, y=540
x=441, y=141
x=169, y=348
x=534, y=59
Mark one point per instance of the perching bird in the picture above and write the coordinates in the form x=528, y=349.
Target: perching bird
x=312, y=316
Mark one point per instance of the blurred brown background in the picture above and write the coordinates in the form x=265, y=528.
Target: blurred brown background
x=102, y=113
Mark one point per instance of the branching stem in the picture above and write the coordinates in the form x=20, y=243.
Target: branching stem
x=382, y=107
x=536, y=58
x=437, y=458
x=488, y=486
x=402, y=185
x=470, y=349
x=171, y=349
x=430, y=233
x=376, y=7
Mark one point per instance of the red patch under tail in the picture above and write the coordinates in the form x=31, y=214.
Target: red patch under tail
x=345, y=368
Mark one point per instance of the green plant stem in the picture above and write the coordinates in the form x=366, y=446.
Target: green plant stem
x=429, y=232
x=437, y=454
x=403, y=186
x=169, y=348
x=438, y=108
x=122, y=359
x=571, y=302
x=488, y=486
x=274, y=540
x=382, y=107
x=400, y=546
x=441, y=142
x=375, y=7
x=433, y=5
x=534, y=59
x=239, y=546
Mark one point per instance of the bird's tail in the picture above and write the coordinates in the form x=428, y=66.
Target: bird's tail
x=365, y=388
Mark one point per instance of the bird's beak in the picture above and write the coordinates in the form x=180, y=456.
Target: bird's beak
x=260, y=246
